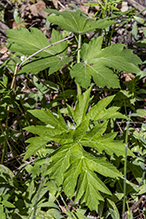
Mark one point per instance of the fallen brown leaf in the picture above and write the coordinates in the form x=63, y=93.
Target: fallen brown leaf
x=37, y=9
x=128, y=76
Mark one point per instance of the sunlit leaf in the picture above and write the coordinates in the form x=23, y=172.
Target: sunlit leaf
x=99, y=64
x=71, y=165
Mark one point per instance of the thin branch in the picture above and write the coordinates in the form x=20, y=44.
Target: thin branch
x=130, y=122
x=60, y=4
x=138, y=6
x=52, y=44
x=136, y=205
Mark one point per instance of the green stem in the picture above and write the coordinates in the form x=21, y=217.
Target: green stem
x=125, y=107
x=125, y=168
x=70, y=213
x=61, y=84
x=78, y=61
x=79, y=49
x=143, y=177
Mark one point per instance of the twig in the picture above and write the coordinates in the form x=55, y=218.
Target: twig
x=119, y=126
x=3, y=28
x=137, y=6
x=52, y=44
x=9, y=2
x=130, y=122
x=60, y=4
x=136, y=205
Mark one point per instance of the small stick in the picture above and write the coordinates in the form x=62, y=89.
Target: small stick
x=138, y=6
x=52, y=44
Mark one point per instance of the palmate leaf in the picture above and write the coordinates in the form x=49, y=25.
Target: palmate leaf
x=30, y=42
x=98, y=64
x=71, y=166
x=75, y=22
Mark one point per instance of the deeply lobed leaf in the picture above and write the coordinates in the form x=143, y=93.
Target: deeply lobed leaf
x=71, y=165
x=98, y=64
x=29, y=43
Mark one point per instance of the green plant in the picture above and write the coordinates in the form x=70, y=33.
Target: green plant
x=2, y=10
x=79, y=149
x=18, y=19
x=96, y=62
x=106, y=7
x=21, y=199
x=72, y=159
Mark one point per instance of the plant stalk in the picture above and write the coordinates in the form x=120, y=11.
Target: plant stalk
x=125, y=168
x=79, y=49
x=78, y=61
x=70, y=213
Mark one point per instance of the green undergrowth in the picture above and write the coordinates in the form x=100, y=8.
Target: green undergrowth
x=66, y=102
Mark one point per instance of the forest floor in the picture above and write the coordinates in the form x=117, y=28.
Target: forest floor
x=29, y=13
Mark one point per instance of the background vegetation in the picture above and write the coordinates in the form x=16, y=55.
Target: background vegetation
x=72, y=112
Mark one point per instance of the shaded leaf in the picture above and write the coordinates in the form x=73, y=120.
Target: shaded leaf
x=8, y=204
x=53, y=63
x=30, y=42
x=75, y=21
